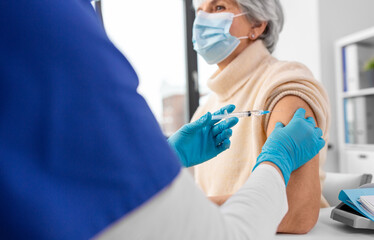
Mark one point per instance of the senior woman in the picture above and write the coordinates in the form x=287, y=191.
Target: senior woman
x=239, y=36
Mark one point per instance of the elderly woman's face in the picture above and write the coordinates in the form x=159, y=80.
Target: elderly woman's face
x=240, y=26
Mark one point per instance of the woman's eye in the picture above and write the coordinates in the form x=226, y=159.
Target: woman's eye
x=220, y=8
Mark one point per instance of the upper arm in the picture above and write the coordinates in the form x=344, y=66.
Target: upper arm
x=303, y=189
x=284, y=111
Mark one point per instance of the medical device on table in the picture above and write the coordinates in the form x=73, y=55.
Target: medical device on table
x=347, y=215
x=240, y=114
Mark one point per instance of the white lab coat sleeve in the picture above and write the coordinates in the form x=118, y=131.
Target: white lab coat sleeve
x=182, y=211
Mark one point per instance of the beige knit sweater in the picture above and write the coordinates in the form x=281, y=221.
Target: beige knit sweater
x=255, y=80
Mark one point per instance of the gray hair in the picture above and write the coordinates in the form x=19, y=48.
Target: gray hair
x=269, y=11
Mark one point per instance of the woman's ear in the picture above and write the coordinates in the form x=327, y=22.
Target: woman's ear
x=257, y=29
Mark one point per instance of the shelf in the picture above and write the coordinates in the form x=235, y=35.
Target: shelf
x=359, y=147
x=353, y=157
x=363, y=37
x=359, y=93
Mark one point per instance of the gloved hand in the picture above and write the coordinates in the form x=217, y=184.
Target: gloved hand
x=292, y=146
x=203, y=139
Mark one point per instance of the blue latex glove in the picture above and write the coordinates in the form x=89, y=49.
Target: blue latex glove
x=203, y=139
x=292, y=146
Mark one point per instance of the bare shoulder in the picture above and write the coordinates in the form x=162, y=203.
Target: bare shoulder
x=284, y=110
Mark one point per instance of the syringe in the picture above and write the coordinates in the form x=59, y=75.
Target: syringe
x=240, y=114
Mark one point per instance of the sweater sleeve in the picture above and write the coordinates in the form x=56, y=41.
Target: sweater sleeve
x=183, y=212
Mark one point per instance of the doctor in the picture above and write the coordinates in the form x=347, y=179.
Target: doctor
x=82, y=156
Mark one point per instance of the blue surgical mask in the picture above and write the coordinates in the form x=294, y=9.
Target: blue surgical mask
x=211, y=36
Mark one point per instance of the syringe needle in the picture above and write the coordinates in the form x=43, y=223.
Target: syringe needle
x=240, y=114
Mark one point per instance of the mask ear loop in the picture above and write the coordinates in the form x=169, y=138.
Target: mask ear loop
x=238, y=15
x=245, y=37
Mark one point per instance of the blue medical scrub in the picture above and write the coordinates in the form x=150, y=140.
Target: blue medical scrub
x=79, y=147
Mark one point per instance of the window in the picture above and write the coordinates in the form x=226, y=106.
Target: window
x=151, y=34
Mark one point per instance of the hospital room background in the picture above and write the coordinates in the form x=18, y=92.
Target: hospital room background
x=334, y=38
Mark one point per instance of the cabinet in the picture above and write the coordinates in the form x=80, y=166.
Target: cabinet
x=359, y=161
x=355, y=102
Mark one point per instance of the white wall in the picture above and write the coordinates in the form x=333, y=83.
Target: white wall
x=338, y=18
x=311, y=29
x=299, y=39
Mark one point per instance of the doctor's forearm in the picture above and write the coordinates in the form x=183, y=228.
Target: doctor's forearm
x=183, y=212
x=220, y=200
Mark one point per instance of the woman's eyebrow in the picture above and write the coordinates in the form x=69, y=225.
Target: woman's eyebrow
x=214, y=2
x=209, y=4
x=229, y=2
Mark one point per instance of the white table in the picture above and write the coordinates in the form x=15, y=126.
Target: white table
x=326, y=228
